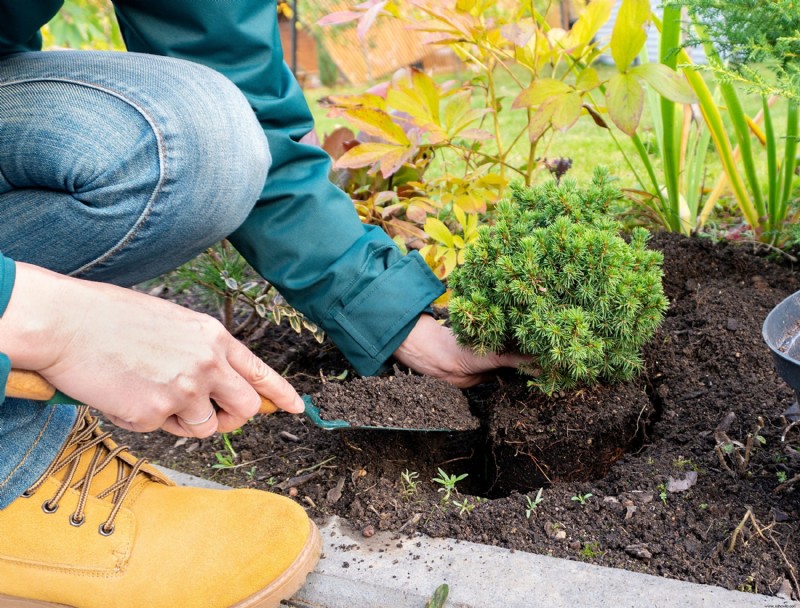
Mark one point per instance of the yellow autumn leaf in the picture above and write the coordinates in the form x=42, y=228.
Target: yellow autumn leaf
x=625, y=101
x=540, y=91
x=567, y=110
x=377, y=123
x=629, y=34
x=438, y=231
x=591, y=19
x=364, y=155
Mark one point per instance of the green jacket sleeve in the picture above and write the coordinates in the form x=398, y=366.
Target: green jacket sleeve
x=20, y=23
x=7, y=274
x=303, y=235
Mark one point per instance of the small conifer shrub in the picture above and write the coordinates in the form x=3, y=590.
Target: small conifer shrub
x=553, y=278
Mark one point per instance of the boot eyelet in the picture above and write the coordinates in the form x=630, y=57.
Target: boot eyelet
x=26, y=494
x=48, y=508
x=104, y=532
x=75, y=521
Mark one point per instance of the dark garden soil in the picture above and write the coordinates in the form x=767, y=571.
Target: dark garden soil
x=403, y=400
x=653, y=476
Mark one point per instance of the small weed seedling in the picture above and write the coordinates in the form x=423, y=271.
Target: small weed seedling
x=464, y=507
x=581, y=498
x=662, y=492
x=681, y=463
x=781, y=475
x=448, y=483
x=591, y=550
x=226, y=459
x=736, y=452
x=439, y=597
x=533, y=503
x=408, y=479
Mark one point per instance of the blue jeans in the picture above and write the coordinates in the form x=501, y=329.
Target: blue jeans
x=114, y=167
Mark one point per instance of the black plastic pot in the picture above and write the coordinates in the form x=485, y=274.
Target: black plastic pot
x=781, y=332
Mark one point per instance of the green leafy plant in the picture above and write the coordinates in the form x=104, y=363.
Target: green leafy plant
x=681, y=142
x=413, y=124
x=409, y=481
x=448, y=483
x=84, y=24
x=226, y=458
x=533, y=503
x=591, y=550
x=581, y=498
x=746, y=32
x=244, y=300
x=553, y=279
x=465, y=507
x=759, y=39
x=686, y=463
x=439, y=597
x=662, y=492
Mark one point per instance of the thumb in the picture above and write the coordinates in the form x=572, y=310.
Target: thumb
x=267, y=382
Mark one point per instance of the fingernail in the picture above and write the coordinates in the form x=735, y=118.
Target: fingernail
x=300, y=406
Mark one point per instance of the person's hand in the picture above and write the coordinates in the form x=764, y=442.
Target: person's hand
x=144, y=362
x=432, y=349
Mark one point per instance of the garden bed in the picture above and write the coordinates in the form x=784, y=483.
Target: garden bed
x=632, y=475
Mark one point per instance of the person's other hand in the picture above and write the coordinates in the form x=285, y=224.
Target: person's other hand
x=144, y=362
x=432, y=349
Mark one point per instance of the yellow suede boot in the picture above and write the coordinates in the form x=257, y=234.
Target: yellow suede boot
x=101, y=529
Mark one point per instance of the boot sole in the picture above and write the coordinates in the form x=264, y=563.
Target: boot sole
x=282, y=588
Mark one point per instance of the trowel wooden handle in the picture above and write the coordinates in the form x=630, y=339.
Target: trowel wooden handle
x=267, y=407
x=23, y=384
x=28, y=385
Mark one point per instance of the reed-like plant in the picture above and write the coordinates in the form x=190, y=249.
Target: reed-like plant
x=749, y=32
x=673, y=195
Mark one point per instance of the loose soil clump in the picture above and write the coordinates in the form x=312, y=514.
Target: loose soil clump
x=403, y=401
x=652, y=475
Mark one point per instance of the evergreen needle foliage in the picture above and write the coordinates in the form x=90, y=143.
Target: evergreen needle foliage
x=553, y=278
x=753, y=34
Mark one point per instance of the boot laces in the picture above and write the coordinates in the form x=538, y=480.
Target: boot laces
x=85, y=436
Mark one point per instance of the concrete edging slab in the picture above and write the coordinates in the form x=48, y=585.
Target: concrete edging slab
x=392, y=571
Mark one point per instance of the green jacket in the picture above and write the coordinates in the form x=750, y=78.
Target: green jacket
x=303, y=235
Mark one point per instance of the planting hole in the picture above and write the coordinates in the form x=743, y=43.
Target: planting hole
x=529, y=442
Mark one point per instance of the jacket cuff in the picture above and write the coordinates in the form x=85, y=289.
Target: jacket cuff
x=7, y=276
x=368, y=326
x=5, y=369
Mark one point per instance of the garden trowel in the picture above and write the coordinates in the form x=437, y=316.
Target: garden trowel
x=23, y=384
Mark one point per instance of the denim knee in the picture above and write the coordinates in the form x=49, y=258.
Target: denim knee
x=229, y=155
x=139, y=163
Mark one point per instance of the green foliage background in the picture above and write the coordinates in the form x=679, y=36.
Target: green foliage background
x=754, y=35
x=84, y=24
